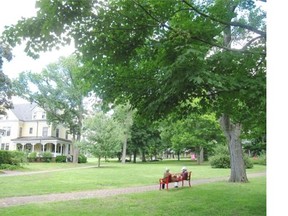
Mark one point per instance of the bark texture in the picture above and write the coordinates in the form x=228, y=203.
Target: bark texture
x=232, y=133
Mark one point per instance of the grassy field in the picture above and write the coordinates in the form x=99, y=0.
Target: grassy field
x=220, y=198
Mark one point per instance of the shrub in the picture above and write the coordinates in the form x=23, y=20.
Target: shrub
x=32, y=156
x=82, y=158
x=9, y=167
x=221, y=159
x=12, y=157
x=18, y=157
x=261, y=159
x=46, y=156
x=248, y=162
x=61, y=159
x=5, y=157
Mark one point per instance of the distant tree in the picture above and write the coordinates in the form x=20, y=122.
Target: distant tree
x=123, y=114
x=145, y=139
x=60, y=91
x=5, y=82
x=196, y=131
x=102, y=136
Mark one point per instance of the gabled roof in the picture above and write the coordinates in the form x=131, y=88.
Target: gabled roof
x=24, y=111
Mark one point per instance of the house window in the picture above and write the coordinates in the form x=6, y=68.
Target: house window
x=44, y=115
x=7, y=147
x=45, y=131
x=2, y=146
x=7, y=131
x=2, y=132
x=20, y=132
x=57, y=132
x=66, y=136
x=34, y=115
x=30, y=130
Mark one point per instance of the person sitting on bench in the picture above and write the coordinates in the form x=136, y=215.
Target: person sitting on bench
x=167, y=175
x=184, y=173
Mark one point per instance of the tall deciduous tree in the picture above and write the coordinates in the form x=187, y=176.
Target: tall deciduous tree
x=60, y=91
x=102, y=136
x=196, y=132
x=158, y=54
x=145, y=139
x=123, y=114
x=5, y=82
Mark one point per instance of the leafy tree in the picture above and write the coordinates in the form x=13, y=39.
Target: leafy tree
x=60, y=91
x=145, y=139
x=5, y=83
x=154, y=142
x=159, y=54
x=196, y=131
x=123, y=114
x=102, y=136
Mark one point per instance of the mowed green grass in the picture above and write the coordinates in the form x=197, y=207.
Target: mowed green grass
x=213, y=199
x=68, y=177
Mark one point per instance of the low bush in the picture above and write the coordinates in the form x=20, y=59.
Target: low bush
x=19, y=157
x=261, y=159
x=82, y=158
x=5, y=157
x=221, y=159
x=61, y=159
x=248, y=162
x=32, y=156
x=9, y=167
x=46, y=157
x=13, y=157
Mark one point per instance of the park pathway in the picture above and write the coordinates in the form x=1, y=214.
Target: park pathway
x=14, y=201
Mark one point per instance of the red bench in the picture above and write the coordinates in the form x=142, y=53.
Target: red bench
x=168, y=179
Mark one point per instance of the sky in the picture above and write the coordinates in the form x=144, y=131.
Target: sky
x=10, y=12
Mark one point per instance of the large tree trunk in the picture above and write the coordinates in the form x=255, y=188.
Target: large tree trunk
x=99, y=161
x=200, y=155
x=143, y=155
x=178, y=155
x=75, y=150
x=124, y=148
x=232, y=133
x=75, y=154
x=134, y=156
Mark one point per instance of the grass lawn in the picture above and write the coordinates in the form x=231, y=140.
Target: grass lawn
x=110, y=175
x=213, y=199
x=221, y=198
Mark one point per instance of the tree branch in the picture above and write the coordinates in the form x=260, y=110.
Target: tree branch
x=150, y=15
x=250, y=42
x=199, y=39
x=229, y=49
x=235, y=24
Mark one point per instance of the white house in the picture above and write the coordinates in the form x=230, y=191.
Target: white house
x=25, y=128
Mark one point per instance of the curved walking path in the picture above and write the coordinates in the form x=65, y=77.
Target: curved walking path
x=14, y=201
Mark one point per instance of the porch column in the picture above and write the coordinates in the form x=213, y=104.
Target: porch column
x=55, y=150
x=66, y=149
x=61, y=149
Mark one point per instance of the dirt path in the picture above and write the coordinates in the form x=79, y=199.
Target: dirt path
x=14, y=201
